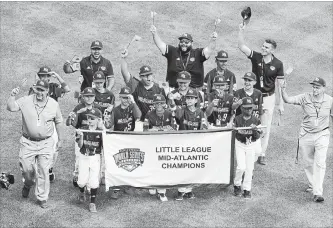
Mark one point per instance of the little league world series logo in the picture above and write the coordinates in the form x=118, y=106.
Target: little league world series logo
x=129, y=158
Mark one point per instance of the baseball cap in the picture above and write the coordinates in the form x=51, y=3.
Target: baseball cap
x=96, y=45
x=250, y=75
x=185, y=36
x=125, y=91
x=94, y=112
x=247, y=102
x=99, y=76
x=183, y=76
x=159, y=98
x=222, y=56
x=44, y=70
x=219, y=80
x=319, y=81
x=145, y=70
x=42, y=85
x=191, y=93
x=88, y=91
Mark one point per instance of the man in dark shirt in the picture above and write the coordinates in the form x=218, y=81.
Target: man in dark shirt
x=185, y=58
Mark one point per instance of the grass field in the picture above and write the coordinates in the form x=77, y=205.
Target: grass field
x=47, y=33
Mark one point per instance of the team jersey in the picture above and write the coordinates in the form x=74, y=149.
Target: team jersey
x=82, y=117
x=227, y=75
x=188, y=120
x=182, y=101
x=104, y=99
x=144, y=98
x=55, y=90
x=223, y=111
x=92, y=142
x=256, y=97
x=123, y=119
x=155, y=121
x=249, y=135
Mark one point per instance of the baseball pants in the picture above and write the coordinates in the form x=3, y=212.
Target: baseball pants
x=185, y=189
x=245, y=157
x=313, y=149
x=56, y=152
x=77, y=154
x=36, y=155
x=89, y=168
x=266, y=120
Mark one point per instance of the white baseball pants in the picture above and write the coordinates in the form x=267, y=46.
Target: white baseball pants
x=89, y=168
x=266, y=119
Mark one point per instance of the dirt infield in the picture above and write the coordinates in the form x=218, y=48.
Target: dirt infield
x=47, y=33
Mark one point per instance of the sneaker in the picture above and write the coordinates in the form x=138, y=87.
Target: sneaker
x=152, y=191
x=162, y=197
x=318, y=198
x=75, y=178
x=237, y=190
x=42, y=203
x=51, y=175
x=87, y=190
x=262, y=160
x=309, y=189
x=92, y=207
x=114, y=193
x=25, y=191
x=180, y=196
x=82, y=198
x=247, y=194
x=189, y=195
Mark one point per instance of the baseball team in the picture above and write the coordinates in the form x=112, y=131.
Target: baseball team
x=189, y=100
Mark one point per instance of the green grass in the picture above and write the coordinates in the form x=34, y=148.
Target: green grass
x=38, y=33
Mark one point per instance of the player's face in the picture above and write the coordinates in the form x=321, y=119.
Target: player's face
x=96, y=53
x=124, y=100
x=248, y=84
x=247, y=111
x=191, y=101
x=221, y=64
x=183, y=85
x=220, y=87
x=267, y=49
x=99, y=84
x=92, y=122
x=159, y=106
x=88, y=99
x=317, y=90
x=41, y=94
x=45, y=77
x=185, y=45
x=147, y=80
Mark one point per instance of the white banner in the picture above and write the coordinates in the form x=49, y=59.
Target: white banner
x=168, y=159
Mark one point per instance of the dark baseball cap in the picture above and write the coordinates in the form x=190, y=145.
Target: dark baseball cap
x=222, y=56
x=191, y=93
x=250, y=75
x=96, y=45
x=247, y=102
x=94, y=112
x=185, y=36
x=88, y=91
x=42, y=85
x=219, y=80
x=159, y=98
x=44, y=70
x=145, y=70
x=183, y=76
x=99, y=76
x=318, y=81
x=125, y=91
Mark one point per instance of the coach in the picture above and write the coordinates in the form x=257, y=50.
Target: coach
x=40, y=114
x=185, y=58
x=267, y=68
x=314, y=134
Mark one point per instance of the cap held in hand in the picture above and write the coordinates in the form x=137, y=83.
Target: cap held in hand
x=246, y=14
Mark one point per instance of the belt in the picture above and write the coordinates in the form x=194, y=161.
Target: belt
x=267, y=94
x=35, y=139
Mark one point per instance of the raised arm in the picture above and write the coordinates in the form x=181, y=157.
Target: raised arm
x=285, y=96
x=124, y=67
x=158, y=41
x=12, y=106
x=241, y=43
x=211, y=46
x=64, y=86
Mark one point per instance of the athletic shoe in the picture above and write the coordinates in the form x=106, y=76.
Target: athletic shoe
x=152, y=191
x=92, y=207
x=262, y=160
x=318, y=198
x=247, y=194
x=237, y=190
x=25, y=191
x=75, y=181
x=162, y=197
x=309, y=189
x=42, y=204
x=189, y=195
x=51, y=175
x=114, y=193
x=82, y=198
x=87, y=190
x=180, y=196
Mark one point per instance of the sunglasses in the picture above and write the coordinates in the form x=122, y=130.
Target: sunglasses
x=185, y=41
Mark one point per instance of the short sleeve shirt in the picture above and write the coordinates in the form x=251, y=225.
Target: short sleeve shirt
x=82, y=120
x=92, y=143
x=104, y=99
x=182, y=101
x=55, y=90
x=227, y=75
x=155, y=121
x=188, y=120
x=123, y=119
x=269, y=71
x=256, y=97
x=248, y=134
x=192, y=63
x=223, y=111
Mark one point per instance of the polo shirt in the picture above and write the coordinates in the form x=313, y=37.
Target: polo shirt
x=269, y=70
x=89, y=67
x=48, y=114
x=314, y=120
x=192, y=63
x=227, y=75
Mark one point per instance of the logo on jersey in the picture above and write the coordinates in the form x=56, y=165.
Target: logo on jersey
x=88, y=68
x=103, y=68
x=272, y=68
x=129, y=158
x=192, y=59
x=259, y=64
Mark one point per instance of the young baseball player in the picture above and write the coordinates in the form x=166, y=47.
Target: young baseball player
x=245, y=148
x=90, y=144
x=55, y=91
x=219, y=110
